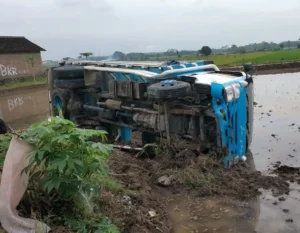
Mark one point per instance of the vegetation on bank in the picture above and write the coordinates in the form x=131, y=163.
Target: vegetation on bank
x=26, y=83
x=240, y=58
x=68, y=168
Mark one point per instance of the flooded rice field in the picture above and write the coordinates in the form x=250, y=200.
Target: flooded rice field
x=276, y=139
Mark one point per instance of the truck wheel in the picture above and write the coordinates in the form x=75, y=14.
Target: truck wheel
x=68, y=72
x=69, y=83
x=59, y=101
x=168, y=89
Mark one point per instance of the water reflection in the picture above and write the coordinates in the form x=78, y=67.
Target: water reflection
x=22, y=108
x=277, y=114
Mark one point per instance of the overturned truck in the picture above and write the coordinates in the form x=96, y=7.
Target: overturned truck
x=195, y=101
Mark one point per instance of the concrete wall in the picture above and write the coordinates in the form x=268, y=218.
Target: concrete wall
x=16, y=65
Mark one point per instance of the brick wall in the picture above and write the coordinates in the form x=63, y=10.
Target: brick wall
x=15, y=65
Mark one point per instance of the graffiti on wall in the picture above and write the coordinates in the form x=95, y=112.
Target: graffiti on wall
x=17, y=101
x=10, y=71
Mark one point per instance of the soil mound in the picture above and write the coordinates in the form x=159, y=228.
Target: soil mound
x=154, y=181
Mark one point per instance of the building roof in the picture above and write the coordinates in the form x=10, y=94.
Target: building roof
x=18, y=44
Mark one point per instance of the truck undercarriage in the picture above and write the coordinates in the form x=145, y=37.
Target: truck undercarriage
x=194, y=101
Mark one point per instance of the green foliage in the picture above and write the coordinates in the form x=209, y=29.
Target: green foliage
x=254, y=57
x=27, y=83
x=66, y=156
x=85, y=226
x=206, y=50
x=67, y=169
x=119, y=55
x=86, y=54
x=31, y=60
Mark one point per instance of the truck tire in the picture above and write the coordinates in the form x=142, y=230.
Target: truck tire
x=59, y=100
x=69, y=83
x=68, y=72
x=168, y=89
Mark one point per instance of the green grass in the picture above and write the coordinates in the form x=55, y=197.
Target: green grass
x=27, y=83
x=255, y=57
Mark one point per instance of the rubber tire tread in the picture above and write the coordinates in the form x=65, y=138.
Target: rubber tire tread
x=69, y=83
x=68, y=72
x=158, y=91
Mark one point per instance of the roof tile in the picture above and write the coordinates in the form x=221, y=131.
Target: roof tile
x=16, y=44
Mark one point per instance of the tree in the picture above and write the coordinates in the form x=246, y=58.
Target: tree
x=31, y=61
x=86, y=54
x=206, y=50
x=281, y=45
x=242, y=50
x=171, y=52
x=66, y=58
x=298, y=46
x=178, y=54
x=119, y=56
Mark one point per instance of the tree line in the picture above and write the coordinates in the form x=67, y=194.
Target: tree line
x=204, y=51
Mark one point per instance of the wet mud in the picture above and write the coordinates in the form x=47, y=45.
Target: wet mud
x=200, y=197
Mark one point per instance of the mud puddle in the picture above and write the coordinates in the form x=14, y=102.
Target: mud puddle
x=194, y=214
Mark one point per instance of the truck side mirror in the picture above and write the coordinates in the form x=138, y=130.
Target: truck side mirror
x=248, y=68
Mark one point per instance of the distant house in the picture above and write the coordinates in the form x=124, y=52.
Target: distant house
x=19, y=57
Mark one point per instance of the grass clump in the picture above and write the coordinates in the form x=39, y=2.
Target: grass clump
x=27, y=83
x=241, y=58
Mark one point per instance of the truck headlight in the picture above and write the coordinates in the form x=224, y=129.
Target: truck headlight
x=232, y=92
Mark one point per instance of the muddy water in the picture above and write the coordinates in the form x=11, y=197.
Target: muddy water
x=277, y=138
x=276, y=129
x=22, y=108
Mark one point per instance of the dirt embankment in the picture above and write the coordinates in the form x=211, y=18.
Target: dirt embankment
x=17, y=89
x=271, y=68
x=156, y=181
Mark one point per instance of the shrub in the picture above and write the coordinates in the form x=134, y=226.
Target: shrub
x=67, y=168
x=66, y=157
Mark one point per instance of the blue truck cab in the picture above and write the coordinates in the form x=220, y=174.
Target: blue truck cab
x=193, y=100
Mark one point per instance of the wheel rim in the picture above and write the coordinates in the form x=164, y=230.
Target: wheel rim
x=57, y=103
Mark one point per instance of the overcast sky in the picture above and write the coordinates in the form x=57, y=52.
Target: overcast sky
x=68, y=27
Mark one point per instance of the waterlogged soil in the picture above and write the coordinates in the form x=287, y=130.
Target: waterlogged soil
x=291, y=174
x=199, y=192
